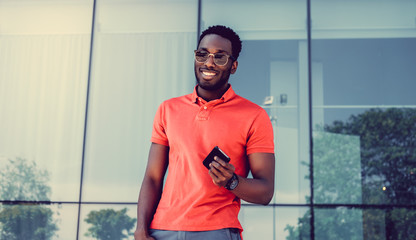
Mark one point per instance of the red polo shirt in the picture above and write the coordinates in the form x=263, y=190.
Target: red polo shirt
x=191, y=127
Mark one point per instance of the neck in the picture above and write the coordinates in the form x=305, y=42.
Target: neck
x=209, y=95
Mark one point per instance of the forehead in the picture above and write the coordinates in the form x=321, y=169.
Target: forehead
x=215, y=43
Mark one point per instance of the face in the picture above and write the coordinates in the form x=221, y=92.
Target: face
x=210, y=76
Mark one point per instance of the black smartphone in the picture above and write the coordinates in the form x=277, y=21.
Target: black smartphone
x=216, y=151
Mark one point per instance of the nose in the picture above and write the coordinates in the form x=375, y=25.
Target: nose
x=210, y=61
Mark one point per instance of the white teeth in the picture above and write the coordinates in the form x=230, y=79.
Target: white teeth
x=209, y=73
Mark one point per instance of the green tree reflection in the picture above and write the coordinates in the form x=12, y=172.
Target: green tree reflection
x=388, y=153
x=23, y=181
x=27, y=222
x=388, y=164
x=108, y=224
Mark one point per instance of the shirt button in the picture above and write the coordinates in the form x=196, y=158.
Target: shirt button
x=205, y=107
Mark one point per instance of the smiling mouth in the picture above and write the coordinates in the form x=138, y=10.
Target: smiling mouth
x=208, y=73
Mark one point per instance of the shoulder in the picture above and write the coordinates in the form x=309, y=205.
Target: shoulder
x=249, y=106
x=176, y=101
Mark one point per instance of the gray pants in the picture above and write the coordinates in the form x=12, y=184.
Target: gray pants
x=221, y=234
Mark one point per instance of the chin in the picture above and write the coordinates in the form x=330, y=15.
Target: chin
x=208, y=86
x=212, y=84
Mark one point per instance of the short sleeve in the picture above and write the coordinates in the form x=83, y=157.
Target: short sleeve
x=261, y=136
x=159, y=127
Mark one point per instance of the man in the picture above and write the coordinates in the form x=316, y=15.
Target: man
x=197, y=203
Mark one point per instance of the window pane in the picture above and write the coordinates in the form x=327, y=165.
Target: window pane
x=338, y=223
x=38, y=221
x=44, y=52
x=395, y=223
x=273, y=73
x=292, y=223
x=275, y=222
x=143, y=54
x=364, y=141
x=107, y=221
x=257, y=222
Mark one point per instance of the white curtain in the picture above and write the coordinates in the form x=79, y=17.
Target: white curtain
x=42, y=103
x=43, y=85
x=132, y=73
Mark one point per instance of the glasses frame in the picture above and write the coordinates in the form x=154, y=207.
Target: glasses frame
x=213, y=56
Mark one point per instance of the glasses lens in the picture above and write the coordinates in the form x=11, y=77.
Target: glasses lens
x=220, y=59
x=201, y=56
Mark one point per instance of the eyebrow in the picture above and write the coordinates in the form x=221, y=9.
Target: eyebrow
x=219, y=51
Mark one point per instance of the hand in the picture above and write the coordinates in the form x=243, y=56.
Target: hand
x=220, y=171
x=140, y=235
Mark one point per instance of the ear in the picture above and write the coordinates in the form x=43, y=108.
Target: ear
x=234, y=67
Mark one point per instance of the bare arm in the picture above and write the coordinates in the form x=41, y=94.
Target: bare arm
x=151, y=189
x=259, y=189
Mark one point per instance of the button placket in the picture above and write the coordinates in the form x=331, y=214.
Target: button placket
x=206, y=108
x=203, y=113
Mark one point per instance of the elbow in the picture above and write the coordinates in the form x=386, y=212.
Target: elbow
x=266, y=194
x=266, y=197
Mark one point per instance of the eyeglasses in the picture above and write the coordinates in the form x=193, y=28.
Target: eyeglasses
x=220, y=59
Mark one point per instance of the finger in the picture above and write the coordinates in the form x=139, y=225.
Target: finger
x=214, y=170
x=216, y=183
x=223, y=165
x=214, y=173
x=216, y=165
x=215, y=179
x=220, y=161
x=221, y=177
x=220, y=171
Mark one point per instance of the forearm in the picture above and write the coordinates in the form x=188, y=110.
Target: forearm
x=151, y=188
x=148, y=200
x=259, y=191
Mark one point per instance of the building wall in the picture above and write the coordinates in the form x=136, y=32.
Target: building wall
x=80, y=82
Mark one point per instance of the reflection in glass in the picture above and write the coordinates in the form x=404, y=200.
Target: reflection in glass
x=38, y=221
x=273, y=64
x=366, y=128
x=388, y=157
x=26, y=222
x=292, y=223
x=394, y=223
x=44, y=52
x=257, y=222
x=355, y=223
x=337, y=168
x=24, y=180
x=107, y=222
x=362, y=93
x=143, y=54
x=338, y=223
x=277, y=73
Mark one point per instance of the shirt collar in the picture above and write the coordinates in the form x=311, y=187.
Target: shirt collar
x=228, y=95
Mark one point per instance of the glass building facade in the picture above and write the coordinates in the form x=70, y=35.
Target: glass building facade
x=80, y=82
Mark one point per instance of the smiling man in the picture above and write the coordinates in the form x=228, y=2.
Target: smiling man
x=198, y=201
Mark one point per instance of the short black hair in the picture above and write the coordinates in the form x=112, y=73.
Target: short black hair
x=227, y=33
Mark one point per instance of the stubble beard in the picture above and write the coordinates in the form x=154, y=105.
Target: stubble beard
x=218, y=85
